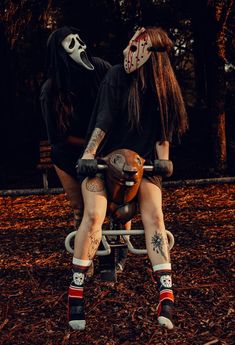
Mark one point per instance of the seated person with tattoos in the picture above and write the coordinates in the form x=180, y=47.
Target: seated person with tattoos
x=139, y=107
x=67, y=99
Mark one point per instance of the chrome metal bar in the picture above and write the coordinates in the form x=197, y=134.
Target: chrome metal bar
x=122, y=232
x=132, y=249
x=107, y=247
x=125, y=234
x=68, y=247
x=68, y=240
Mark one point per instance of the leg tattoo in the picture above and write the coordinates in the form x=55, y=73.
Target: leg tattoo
x=159, y=242
x=95, y=185
x=94, y=240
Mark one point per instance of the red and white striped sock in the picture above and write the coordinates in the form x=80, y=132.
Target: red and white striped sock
x=76, y=313
x=162, y=275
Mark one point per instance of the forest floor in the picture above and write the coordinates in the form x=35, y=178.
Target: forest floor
x=35, y=274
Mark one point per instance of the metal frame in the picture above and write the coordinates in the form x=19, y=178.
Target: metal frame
x=126, y=236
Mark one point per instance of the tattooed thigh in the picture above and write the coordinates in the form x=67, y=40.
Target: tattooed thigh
x=95, y=184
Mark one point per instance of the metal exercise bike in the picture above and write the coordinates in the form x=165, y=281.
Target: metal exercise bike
x=123, y=170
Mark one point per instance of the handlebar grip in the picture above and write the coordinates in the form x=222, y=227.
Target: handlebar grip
x=163, y=167
x=87, y=167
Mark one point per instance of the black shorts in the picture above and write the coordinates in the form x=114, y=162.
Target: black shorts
x=65, y=157
x=157, y=180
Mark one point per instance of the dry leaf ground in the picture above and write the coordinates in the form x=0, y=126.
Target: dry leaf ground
x=35, y=273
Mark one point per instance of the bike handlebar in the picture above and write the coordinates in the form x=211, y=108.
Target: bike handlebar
x=89, y=167
x=147, y=168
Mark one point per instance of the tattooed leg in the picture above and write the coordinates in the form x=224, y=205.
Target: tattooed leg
x=158, y=250
x=160, y=245
x=95, y=185
x=150, y=200
x=87, y=240
x=94, y=241
x=89, y=234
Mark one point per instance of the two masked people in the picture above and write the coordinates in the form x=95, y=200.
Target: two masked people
x=139, y=106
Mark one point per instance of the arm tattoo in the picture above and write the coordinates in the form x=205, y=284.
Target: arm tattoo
x=95, y=140
x=160, y=245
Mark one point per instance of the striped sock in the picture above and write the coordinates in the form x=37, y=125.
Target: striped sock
x=162, y=275
x=76, y=313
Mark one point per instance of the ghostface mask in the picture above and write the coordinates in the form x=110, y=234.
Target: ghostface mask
x=76, y=49
x=137, y=52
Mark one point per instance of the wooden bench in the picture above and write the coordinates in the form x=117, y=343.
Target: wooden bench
x=45, y=163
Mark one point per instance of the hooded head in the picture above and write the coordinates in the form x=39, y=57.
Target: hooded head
x=66, y=53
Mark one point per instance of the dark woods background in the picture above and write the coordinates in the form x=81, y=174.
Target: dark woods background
x=203, y=32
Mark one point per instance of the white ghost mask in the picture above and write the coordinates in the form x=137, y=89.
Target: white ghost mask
x=76, y=49
x=137, y=52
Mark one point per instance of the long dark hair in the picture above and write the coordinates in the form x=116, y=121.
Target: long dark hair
x=64, y=109
x=158, y=74
x=58, y=70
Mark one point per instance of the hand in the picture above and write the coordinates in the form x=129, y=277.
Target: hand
x=86, y=166
x=163, y=167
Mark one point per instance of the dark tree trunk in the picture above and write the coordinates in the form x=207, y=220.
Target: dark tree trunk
x=209, y=24
x=216, y=99
x=217, y=14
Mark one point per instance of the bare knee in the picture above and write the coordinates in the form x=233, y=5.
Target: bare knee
x=93, y=218
x=154, y=219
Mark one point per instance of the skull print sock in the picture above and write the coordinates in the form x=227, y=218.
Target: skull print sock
x=162, y=275
x=76, y=314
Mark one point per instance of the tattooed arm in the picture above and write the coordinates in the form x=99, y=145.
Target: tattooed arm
x=93, y=144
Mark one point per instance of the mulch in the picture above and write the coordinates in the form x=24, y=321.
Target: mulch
x=35, y=274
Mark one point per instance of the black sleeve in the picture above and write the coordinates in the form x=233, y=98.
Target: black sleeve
x=168, y=128
x=107, y=102
x=105, y=107
x=101, y=65
x=48, y=114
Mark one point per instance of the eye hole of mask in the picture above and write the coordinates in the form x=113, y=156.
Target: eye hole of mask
x=80, y=41
x=72, y=43
x=133, y=48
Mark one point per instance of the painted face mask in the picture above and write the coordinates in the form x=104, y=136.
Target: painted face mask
x=137, y=52
x=76, y=49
